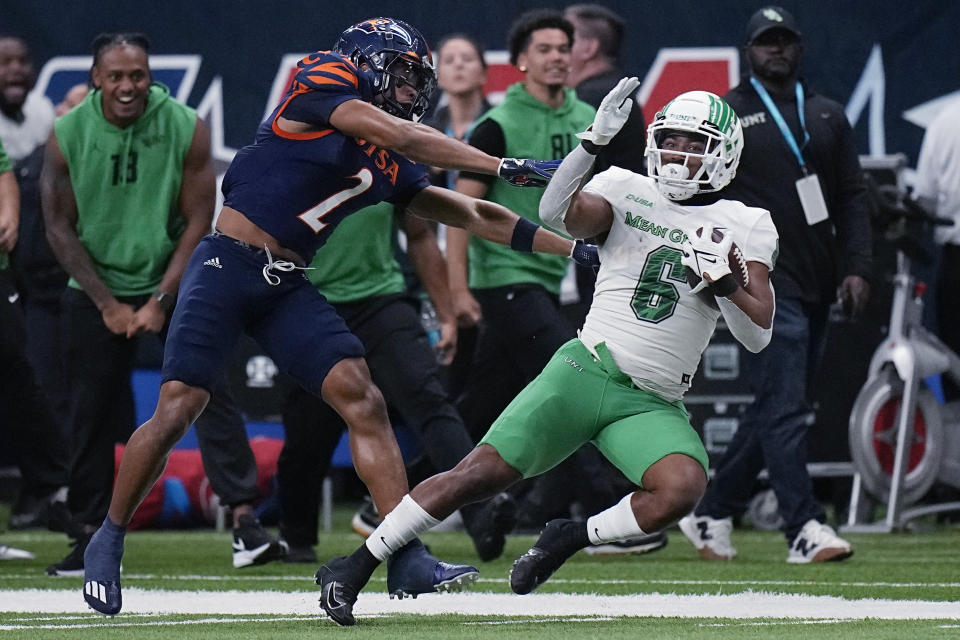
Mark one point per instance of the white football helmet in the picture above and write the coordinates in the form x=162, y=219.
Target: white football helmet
x=706, y=116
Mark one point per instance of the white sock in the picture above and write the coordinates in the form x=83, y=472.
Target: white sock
x=403, y=524
x=616, y=523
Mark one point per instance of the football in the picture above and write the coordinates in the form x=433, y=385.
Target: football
x=738, y=265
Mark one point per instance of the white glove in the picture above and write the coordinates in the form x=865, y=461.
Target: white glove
x=613, y=112
x=705, y=256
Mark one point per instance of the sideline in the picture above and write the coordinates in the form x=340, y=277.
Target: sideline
x=746, y=605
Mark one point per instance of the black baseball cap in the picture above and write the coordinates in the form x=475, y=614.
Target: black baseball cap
x=770, y=18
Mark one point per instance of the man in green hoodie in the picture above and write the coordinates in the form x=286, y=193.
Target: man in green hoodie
x=517, y=295
x=128, y=190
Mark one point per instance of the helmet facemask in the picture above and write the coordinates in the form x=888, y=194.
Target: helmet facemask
x=394, y=71
x=395, y=55
x=698, y=115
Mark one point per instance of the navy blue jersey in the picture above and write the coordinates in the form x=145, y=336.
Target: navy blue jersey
x=298, y=186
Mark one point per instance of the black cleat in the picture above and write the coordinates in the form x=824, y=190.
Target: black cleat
x=412, y=571
x=489, y=524
x=72, y=564
x=559, y=540
x=252, y=545
x=337, y=595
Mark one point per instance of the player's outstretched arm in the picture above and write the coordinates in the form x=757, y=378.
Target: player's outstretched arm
x=563, y=206
x=566, y=208
x=426, y=145
x=417, y=142
x=486, y=219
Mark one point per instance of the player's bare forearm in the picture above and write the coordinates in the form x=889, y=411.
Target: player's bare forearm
x=497, y=224
x=432, y=147
x=483, y=218
x=756, y=301
x=417, y=142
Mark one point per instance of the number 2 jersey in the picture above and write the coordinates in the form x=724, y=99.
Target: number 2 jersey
x=642, y=307
x=298, y=186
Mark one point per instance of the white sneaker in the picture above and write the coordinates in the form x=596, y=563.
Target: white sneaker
x=818, y=542
x=12, y=553
x=709, y=535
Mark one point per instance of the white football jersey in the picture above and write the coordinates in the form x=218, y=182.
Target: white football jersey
x=655, y=329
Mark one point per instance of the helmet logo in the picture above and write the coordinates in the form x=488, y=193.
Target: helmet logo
x=384, y=25
x=772, y=15
x=400, y=31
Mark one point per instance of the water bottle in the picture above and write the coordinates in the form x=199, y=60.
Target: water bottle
x=430, y=321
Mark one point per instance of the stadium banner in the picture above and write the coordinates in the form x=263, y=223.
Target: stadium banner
x=891, y=65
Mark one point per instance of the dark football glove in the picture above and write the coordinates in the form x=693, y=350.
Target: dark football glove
x=586, y=254
x=523, y=172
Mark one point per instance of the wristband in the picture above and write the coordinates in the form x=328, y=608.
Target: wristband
x=591, y=148
x=165, y=300
x=523, y=233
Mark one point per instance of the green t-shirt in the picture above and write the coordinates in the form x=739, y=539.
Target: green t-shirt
x=357, y=261
x=5, y=165
x=531, y=129
x=127, y=186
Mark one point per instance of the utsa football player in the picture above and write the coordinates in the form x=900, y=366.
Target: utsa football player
x=342, y=138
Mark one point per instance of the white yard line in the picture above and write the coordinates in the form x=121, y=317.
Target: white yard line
x=749, y=604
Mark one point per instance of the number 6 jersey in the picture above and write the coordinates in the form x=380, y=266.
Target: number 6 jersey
x=642, y=307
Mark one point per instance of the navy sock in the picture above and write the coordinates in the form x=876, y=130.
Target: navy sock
x=101, y=561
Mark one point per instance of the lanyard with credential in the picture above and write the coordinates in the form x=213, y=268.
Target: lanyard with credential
x=778, y=118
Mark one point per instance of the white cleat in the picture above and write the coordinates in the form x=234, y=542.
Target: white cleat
x=12, y=553
x=709, y=535
x=817, y=542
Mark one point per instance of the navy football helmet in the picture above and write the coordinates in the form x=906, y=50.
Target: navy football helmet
x=397, y=55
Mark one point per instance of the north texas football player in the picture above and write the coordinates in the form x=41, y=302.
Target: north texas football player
x=620, y=384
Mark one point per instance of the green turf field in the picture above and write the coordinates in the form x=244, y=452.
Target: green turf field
x=180, y=584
